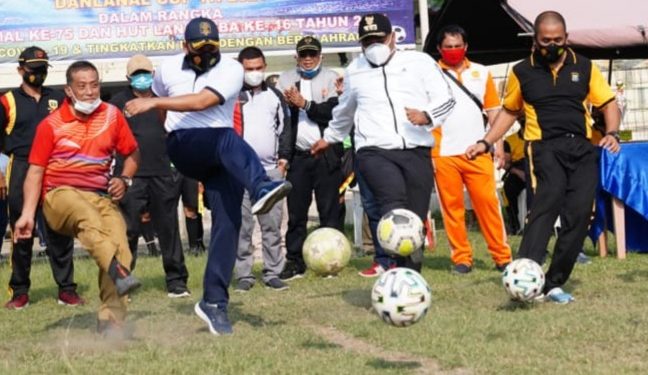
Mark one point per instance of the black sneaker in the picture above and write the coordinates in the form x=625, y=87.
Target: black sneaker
x=276, y=284
x=179, y=292
x=292, y=271
x=502, y=267
x=243, y=285
x=462, y=269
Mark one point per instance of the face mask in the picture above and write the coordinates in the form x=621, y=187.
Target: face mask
x=453, y=56
x=378, y=53
x=549, y=54
x=85, y=107
x=309, y=73
x=35, y=78
x=202, y=62
x=142, y=81
x=253, y=78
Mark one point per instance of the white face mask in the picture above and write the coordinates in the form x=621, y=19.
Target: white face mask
x=253, y=78
x=378, y=53
x=85, y=107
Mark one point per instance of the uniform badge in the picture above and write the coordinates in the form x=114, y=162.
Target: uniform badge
x=52, y=105
x=575, y=77
x=475, y=74
x=205, y=28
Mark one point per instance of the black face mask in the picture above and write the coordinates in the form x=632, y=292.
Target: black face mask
x=549, y=54
x=202, y=62
x=35, y=78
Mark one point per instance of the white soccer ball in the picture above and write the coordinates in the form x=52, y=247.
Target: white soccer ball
x=400, y=232
x=523, y=279
x=399, y=33
x=326, y=251
x=401, y=297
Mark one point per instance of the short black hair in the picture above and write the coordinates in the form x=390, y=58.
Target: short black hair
x=549, y=15
x=451, y=30
x=249, y=53
x=77, y=66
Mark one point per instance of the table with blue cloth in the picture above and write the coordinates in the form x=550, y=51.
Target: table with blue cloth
x=622, y=199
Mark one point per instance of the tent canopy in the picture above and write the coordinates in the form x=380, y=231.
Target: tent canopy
x=501, y=30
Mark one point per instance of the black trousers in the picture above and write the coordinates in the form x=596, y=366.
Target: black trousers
x=399, y=179
x=308, y=174
x=60, y=249
x=564, y=172
x=513, y=187
x=158, y=195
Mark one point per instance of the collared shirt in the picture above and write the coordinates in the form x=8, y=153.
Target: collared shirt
x=556, y=102
x=20, y=113
x=308, y=132
x=175, y=78
x=78, y=153
x=465, y=125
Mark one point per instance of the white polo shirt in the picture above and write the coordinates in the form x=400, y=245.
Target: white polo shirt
x=175, y=78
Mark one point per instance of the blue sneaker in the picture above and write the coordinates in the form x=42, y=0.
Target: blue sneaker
x=215, y=318
x=268, y=195
x=583, y=258
x=559, y=296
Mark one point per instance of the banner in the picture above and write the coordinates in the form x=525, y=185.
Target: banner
x=101, y=29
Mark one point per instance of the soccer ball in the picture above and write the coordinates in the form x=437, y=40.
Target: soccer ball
x=523, y=279
x=400, y=232
x=401, y=297
x=400, y=33
x=326, y=251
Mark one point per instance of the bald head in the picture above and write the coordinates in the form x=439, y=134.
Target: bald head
x=549, y=17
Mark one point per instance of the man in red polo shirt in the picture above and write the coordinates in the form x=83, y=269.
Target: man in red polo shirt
x=69, y=170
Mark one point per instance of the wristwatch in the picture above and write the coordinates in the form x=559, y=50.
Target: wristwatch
x=615, y=135
x=128, y=181
x=489, y=146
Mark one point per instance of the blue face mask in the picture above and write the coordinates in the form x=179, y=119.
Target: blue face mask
x=309, y=73
x=142, y=81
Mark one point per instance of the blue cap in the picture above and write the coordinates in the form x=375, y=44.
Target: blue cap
x=201, y=29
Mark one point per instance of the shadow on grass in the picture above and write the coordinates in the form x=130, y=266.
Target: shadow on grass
x=319, y=344
x=358, y=297
x=516, y=306
x=633, y=276
x=383, y=364
x=235, y=314
x=89, y=320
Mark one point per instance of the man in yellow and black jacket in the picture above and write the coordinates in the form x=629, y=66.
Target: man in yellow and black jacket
x=553, y=87
x=21, y=110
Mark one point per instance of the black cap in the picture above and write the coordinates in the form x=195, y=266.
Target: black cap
x=33, y=57
x=374, y=24
x=201, y=29
x=309, y=43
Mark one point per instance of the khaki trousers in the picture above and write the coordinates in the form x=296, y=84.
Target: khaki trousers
x=100, y=227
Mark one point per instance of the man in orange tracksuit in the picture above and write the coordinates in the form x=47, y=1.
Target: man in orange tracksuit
x=474, y=90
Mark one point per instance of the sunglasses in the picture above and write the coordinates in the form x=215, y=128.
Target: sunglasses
x=198, y=44
x=308, y=53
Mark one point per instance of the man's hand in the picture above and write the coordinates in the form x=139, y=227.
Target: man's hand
x=417, y=117
x=294, y=97
x=499, y=157
x=282, y=166
x=475, y=150
x=610, y=143
x=116, y=188
x=23, y=228
x=319, y=147
x=3, y=187
x=339, y=86
x=138, y=105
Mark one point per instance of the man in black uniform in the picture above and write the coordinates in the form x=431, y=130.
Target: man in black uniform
x=153, y=185
x=552, y=86
x=21, y=110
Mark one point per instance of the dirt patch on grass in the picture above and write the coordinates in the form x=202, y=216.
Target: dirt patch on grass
x=384, y=358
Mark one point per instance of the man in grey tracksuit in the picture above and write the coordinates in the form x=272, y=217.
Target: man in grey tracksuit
x=259, y=118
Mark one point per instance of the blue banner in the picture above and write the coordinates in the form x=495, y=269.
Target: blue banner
x=100, y=29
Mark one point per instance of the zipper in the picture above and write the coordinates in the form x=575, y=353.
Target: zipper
x=391, y=104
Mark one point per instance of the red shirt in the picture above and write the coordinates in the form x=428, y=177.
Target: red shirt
x=78, y=153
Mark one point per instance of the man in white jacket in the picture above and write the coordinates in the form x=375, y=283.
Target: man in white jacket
x=391, y=99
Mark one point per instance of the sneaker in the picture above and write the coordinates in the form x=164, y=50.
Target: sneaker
x=559, y=296
x=18, y=302
x=462, y=269
x=271, y=193
x=179, y=292
x=197, y=249
x=276, y=284
x=583, y=259
x=292, y=271
x=502, y=267
x=215, y=317
x=70, y=298
x=126, y=285
x=374, y=271
x=153, y=249
x=243, y=285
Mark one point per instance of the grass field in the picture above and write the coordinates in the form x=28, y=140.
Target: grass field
x=324, y=326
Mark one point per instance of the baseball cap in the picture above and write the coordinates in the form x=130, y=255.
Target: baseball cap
x=309, y=43
x=374, y=24
x=201, y=31
x=138, y=62
x=33, y=57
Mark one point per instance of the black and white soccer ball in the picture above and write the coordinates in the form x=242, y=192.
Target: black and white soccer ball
x=523, y=279
x=401, y=297
x=400, y=33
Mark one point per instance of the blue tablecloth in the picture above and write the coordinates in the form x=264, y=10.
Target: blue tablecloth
x=624, y=176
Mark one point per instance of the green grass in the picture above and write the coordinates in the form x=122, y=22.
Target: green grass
x=324, y=326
